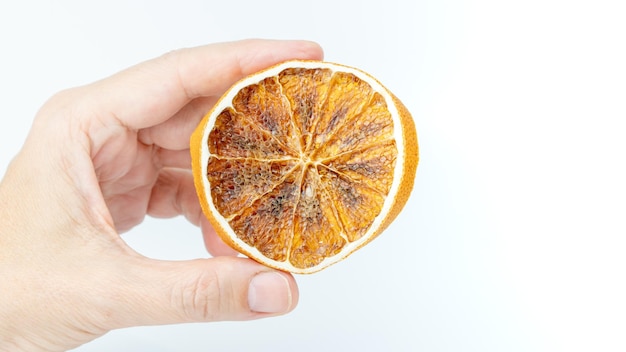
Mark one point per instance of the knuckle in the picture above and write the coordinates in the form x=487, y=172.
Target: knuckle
x=199, y=299
x=66, y=106
x=173, y=54
x=63, y=100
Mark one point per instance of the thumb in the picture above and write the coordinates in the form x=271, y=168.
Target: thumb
x=224, y=288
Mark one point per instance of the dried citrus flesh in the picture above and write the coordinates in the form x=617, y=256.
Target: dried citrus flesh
x=299, y=165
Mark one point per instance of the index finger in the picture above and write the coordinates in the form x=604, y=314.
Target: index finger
x=150, y=93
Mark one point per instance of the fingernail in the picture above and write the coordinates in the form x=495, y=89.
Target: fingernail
x=269, y=292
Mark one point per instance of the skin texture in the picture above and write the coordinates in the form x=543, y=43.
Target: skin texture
x=98, y=159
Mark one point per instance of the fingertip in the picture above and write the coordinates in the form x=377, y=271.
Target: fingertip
x=311, y=50
x=213, y=243
x=293, y=288
x=257, y=54
x=272, y=292
x=293, y=48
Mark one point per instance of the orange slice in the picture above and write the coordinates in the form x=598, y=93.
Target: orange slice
x=301, y=164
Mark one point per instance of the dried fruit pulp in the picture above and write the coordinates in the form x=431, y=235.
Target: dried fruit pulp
x=301, y=164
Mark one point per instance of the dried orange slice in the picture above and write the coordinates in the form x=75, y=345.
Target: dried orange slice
x=301, y=164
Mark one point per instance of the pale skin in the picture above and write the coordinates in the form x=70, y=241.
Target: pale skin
x=97, y=160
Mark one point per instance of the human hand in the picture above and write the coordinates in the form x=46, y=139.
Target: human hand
x=97, y=160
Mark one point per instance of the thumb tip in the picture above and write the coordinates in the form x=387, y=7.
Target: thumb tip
x=271, y=292
x=203, y=290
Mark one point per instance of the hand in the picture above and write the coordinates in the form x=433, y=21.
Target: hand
x=97, y=160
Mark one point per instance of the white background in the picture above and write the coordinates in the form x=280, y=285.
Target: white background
x=514, y=237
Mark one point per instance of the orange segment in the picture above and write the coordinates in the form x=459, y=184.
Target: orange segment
x=237, y=183
x=372, y=167
x=306, y=90
x=373, y=125
x=236, y=136
x=267, y=225
x=265, y=105
x=356, y=203
x=317, y=232
x=301, y=164
x=346, y=98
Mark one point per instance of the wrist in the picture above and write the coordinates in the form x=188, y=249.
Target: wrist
x=41, y=266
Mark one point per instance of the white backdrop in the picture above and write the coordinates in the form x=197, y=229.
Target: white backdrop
x=514, y=237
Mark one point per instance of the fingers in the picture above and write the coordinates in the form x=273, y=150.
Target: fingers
x=221, y=65
x=180, y=159
x=226, y=288
x=174, y=194
x=174, y=133
x=213, y=243
x=150, y=93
